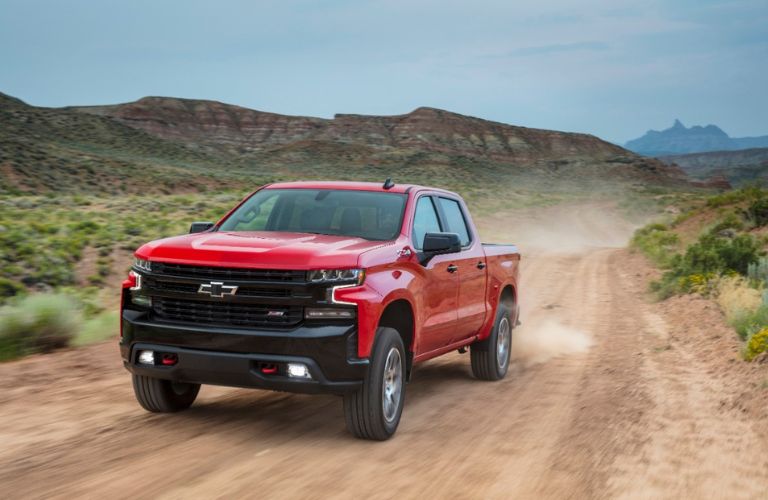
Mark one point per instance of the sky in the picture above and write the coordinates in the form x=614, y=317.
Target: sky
x=613, y=68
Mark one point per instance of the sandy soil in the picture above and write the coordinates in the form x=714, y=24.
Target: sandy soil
x=609, y=396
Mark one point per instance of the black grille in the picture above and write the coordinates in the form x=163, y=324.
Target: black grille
x=227, y=314
x=156, y=285
x=224, y=273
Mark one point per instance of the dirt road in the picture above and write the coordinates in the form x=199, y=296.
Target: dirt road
x=607, y=398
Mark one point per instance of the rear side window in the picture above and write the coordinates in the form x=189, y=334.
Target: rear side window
x=454, y=218
x=424, y=221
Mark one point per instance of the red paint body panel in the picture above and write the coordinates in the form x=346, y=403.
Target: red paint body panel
x=450, y=310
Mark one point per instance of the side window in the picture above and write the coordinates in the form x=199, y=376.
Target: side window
x=455, y=220
x=424, y=221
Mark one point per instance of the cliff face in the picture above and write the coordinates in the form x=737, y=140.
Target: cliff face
x=423, y=136
x=159, y=144
x=207, y=122
x=428, y=129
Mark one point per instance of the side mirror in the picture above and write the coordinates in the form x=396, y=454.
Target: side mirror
x=200, y=227
x=439, y=244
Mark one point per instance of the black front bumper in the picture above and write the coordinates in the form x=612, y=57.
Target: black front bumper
x=236, y=357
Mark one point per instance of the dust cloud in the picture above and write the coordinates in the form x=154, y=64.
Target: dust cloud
x=547, y=339
x=553, y=242
x=560, y=229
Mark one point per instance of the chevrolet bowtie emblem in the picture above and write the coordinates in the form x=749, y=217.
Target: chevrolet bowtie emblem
x=217, y=289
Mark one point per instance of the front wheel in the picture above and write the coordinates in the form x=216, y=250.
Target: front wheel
x=164, y=396
x=374, y=410
x=490, y=357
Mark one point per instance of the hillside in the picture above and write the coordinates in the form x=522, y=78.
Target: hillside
x=432, y=130
x=168, y=144
x=738, y=167
x=44, y=150
x=680, y=139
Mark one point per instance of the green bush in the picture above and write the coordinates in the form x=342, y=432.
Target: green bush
x=757, y=212
x=736, y=196
x=10, y=288
x=101, y=327
x=37, y=323
x=730, y=221
x=656, y=242
x=747, y=323
x=712, y=254
x=758, y=272
x=708, y=257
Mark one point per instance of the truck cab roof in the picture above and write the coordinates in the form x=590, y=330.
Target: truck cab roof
x=352, y=186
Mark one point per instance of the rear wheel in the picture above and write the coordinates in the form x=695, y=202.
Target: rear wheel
x=490, y=358
x=164, y=396
x=374, y=410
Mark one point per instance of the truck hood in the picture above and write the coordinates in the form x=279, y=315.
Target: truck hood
x=259, y=249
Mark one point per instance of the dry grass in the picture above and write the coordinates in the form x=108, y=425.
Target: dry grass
x=736, y=297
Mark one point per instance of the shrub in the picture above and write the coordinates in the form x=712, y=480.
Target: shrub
x=98, y=328
x=758, y=271
x=709, y=257
x=656, y=242
x=742, y=305
x=757, y=212
x=697, y=283
x=736, y=196
x=757, y=344
x=10, y=288
x=747, y=322
x=731, y=221
x=37, y=323
x=718, y=255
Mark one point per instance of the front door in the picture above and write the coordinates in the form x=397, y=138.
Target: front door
x=439, y=300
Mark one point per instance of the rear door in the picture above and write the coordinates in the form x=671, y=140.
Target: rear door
x=440, y=297
x=472, y=268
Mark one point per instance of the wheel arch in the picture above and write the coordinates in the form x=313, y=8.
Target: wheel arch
x=399, y=315
x=508, y=297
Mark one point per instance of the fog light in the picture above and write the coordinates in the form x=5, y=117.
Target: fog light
x=328, y=313
x=298, y=370
x=147, y=357
x=141, y=300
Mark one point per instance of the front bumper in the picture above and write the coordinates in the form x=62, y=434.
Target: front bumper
x=234, y=356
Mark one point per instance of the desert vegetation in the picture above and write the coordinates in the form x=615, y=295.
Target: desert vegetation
x=62, y=258
x=717, y=249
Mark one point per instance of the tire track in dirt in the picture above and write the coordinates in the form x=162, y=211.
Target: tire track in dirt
x=637, y=415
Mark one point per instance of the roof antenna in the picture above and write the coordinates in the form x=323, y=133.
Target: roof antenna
x=388, y=184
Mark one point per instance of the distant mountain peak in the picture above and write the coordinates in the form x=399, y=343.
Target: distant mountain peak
x=679, y=139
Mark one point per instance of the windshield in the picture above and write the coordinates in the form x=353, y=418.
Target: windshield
x=364, y=214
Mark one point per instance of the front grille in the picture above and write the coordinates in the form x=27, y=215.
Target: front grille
x=162, y=286
x=227, y=313
x=226, y=273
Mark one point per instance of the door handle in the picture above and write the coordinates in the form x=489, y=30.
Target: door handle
x=481, y=265
x=453, y=268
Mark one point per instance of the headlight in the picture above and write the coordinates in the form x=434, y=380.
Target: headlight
x=337, y=276
x=142, y=265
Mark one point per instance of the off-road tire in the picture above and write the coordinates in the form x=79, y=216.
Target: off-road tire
x=365, y=409
x=164, y=396
x=487, y=362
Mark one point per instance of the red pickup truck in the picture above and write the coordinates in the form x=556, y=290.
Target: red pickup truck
x=337, y=287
